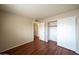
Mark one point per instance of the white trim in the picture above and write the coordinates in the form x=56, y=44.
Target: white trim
x=15, y=46
x=77, y=52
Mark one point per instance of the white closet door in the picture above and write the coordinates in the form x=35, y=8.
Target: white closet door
x=66, y=33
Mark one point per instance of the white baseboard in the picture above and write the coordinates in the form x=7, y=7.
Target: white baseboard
x=15, y=46
x=77, y=52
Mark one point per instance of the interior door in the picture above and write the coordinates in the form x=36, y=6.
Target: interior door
x=41, y=31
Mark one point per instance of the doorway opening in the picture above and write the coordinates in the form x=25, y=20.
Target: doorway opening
x=35, y=28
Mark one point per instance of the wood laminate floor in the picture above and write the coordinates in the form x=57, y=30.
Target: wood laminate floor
x=39, y=47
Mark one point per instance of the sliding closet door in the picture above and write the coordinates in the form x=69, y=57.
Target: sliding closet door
x=66, y=33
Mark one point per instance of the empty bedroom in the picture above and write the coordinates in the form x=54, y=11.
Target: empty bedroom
x=39, y=29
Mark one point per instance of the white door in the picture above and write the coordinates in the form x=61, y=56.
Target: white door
x=41, y=31
x=66, y=33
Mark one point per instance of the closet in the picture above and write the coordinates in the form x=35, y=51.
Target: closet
x=52, y=30
x=63, y=31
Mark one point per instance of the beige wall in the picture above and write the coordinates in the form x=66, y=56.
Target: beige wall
x=14, y=30
x=69, y=14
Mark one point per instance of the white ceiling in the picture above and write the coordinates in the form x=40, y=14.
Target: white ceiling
x=39, y=11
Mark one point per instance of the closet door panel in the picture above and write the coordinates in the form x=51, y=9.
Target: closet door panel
x=66, y=33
